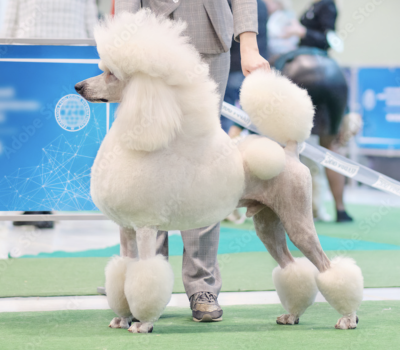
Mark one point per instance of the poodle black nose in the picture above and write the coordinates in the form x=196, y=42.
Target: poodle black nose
x=79, y=87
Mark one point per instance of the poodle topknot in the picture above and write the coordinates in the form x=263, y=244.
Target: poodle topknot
x=143, y=42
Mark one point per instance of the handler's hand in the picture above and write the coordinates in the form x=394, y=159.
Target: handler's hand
x=250, y=56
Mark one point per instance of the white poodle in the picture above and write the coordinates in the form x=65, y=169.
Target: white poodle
x=166, y=164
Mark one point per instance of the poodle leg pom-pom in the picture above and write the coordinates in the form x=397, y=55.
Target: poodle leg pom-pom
x=148, y=289
x=115, y=281
x=342, y=286
x=296, y=288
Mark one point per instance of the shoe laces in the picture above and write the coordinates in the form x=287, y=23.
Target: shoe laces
x=205, y=297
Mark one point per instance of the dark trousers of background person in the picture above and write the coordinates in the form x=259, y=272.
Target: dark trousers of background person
x=235, y=81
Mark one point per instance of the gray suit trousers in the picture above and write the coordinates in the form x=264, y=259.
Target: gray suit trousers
x=200, y=270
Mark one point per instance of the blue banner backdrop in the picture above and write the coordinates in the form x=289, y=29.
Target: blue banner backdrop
x=379, y=98
x=49, y=135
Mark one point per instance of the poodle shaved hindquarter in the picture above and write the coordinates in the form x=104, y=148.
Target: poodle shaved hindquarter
x=166, y=164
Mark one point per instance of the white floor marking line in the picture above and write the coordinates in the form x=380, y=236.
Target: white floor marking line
x=99, y=302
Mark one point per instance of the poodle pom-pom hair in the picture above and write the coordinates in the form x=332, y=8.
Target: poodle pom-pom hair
x=143, y=42
x=278, y=108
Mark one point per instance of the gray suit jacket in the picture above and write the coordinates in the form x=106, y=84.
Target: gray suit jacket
x=210, y=23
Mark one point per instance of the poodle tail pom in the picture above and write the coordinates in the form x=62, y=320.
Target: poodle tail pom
x=279, y=108
x=265, y=158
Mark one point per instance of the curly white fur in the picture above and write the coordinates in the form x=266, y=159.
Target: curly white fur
x=265, y=158
x=148, y=287
x=166, y=158
x=342, y=285
x=296, y=286
x=166, y=162
x=150, y=110
x=279, y=108
x=115, y=280
x=150, y=44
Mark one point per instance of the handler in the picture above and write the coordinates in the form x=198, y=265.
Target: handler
x=210, y=26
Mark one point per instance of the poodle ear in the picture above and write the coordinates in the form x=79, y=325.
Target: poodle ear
x=149, y=116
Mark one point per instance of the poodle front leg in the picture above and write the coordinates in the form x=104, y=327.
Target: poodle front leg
x=121, y=322
x=115, y=280
x=128, y=242
x=148, y=283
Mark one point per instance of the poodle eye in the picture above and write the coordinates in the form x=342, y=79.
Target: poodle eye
x=110, y=77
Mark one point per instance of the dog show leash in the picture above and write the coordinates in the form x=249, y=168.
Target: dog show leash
x=322, y=156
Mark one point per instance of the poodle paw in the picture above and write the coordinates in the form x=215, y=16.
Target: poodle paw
x=287, y=319
x=120, y=322
x=347, y=322
x=139, y=327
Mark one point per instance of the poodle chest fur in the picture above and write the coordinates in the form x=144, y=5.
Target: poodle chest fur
x=180, y=187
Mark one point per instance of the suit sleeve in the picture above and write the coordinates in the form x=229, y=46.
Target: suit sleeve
x=10, y=24
x=327, y=19
x=245, y=18
x=127, y=5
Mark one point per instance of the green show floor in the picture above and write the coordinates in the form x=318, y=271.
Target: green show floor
x=379, y=224
x=244, y=327
x=374, y=228
x=240, y=272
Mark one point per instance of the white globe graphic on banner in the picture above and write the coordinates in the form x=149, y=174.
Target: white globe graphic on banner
x=72, y=113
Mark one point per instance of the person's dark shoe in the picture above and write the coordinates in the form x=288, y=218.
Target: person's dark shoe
x=38, y=224
x=342, y=216
x=205, y=307
x=44, y=224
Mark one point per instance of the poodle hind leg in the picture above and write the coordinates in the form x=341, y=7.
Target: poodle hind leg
x=148, y=283
x=294, y=279
x=342, y=286
x=340, y=281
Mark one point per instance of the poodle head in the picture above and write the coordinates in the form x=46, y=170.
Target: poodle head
x=105, y=87
x=130, y=44
x=146, y=61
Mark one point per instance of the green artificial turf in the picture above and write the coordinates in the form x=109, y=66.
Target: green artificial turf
x=240, y=272
x=373, y=240
x=244, y=327
x=374, y=228
x=379, y=223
